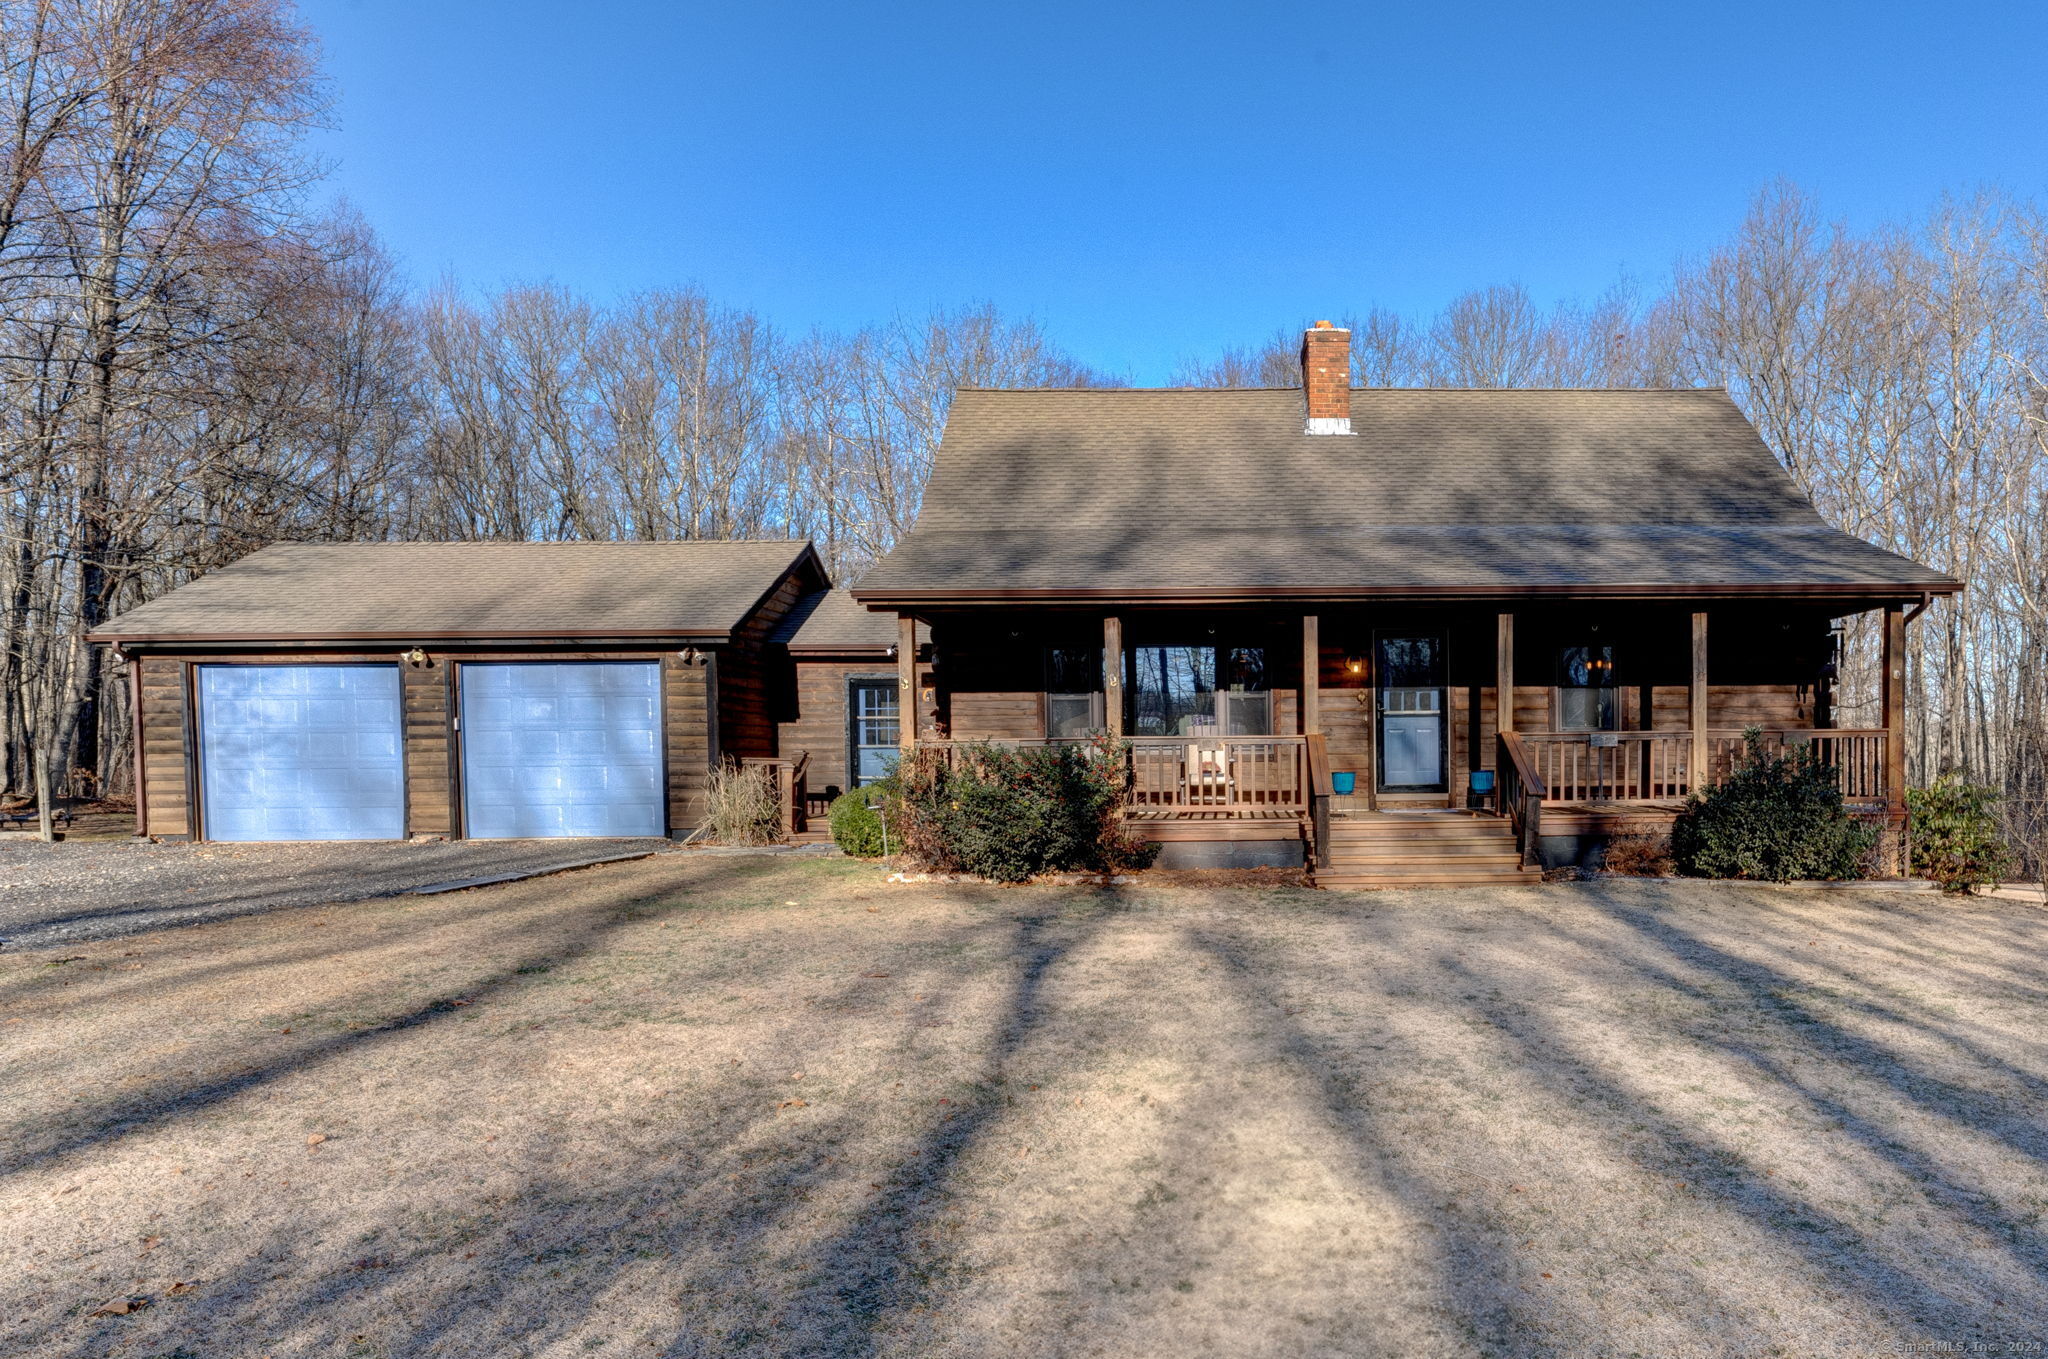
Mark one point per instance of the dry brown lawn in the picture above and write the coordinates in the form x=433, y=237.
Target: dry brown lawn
x=750, y=1106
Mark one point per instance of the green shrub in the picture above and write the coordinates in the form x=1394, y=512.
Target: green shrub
x=1775, y=819
x=856, y=820
x=1009, y=813
x=1955, y=834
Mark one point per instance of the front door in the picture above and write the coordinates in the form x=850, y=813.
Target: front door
x=872, y=729
x=1411, y=713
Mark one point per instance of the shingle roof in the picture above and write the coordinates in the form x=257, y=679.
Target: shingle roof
x=420, y=591
x=1090, y=492
x=833, y=621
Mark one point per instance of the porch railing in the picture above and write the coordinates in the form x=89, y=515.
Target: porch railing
x=1857, y=756
x=1625, y=766
x=1219, y=773
x=1187, y=775
x=1655, y=766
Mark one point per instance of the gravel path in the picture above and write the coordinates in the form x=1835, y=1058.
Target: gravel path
x=52, y=894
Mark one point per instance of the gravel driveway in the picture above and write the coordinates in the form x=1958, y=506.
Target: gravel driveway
x=52, y=894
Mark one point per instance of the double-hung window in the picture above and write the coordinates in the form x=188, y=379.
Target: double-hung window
x=1073, y=691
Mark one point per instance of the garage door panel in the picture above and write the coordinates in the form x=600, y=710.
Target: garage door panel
x=301, y=752
x=562, y=748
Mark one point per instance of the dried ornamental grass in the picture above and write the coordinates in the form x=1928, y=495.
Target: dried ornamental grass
x=743, y=808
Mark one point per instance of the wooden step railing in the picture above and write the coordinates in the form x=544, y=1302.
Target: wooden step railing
x=790, y=775
x=1318, y=800
x=1521, y=793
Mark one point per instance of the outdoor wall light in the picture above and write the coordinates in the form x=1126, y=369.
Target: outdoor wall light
x=689, y=654
x=416, y=658
x=1354, y=665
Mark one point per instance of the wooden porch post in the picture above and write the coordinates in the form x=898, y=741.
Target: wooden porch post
x=906, y=681
x=1696, y=701
x=1504, y=675
x=1894, y=691
x=1113, y=674
x=1311, y=674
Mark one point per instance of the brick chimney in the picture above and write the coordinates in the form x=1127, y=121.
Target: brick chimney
x=1326, y=378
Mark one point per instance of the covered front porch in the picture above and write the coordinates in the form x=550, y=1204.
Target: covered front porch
x=1566, y=718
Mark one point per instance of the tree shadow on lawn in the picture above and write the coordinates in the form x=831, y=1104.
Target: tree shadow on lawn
x=1779, y=1036
x=1478, y=1275
x=82, y=1129
x=377, y=872
x=709, y=1201
x=735, y=1226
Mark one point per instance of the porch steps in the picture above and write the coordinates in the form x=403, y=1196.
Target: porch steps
x=1426, y=849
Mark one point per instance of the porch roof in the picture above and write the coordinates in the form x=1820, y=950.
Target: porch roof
x=1092, y=493
x=830, y=622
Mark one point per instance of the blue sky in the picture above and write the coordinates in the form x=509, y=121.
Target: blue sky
x=1151, y=181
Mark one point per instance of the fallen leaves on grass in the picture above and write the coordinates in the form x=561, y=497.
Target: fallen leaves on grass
x=120, y=1307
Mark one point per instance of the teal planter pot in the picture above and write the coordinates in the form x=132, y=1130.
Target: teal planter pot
x=1343, y=784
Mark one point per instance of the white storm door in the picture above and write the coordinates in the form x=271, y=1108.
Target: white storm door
x=562, y=748
x=300, y=752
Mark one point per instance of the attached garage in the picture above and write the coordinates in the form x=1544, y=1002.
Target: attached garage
x=300, y=752
x=561, y=748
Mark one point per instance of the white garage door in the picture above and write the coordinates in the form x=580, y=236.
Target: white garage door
x=300, y=752
x=562, y=748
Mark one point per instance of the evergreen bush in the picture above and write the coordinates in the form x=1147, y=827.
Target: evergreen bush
x=1955, y=833
x=856, y=820
x=1775, y=819
x=1009, y=813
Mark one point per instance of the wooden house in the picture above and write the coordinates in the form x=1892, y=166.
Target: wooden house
x=1410, y=635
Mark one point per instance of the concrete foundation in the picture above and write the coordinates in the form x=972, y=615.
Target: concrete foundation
x=1230, y=854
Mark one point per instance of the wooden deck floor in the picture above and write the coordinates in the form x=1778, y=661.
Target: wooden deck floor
x=1211, y=814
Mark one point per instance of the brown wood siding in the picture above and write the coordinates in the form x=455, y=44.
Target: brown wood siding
x=1732, y=707
x=1018, y=715
x=749, y=671
x=686, y=713
x=429, y=787
x=163, y=773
